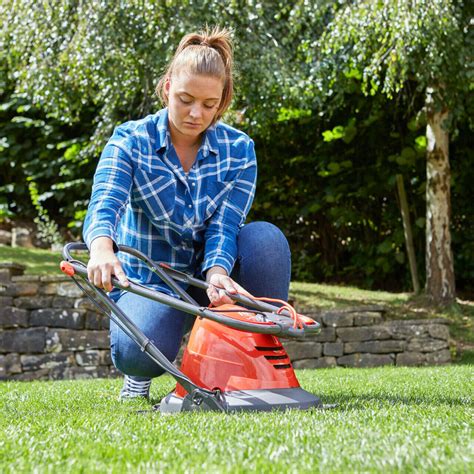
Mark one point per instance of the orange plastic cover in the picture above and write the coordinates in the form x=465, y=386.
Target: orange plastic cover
x=219, y=357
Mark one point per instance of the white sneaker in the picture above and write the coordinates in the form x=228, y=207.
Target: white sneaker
x=135, y=388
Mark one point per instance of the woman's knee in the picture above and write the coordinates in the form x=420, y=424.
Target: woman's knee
x=264, y=260
x=263, y=238
x=129, y=359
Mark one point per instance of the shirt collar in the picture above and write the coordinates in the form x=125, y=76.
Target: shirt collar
x=209, y=144
x=163, y=138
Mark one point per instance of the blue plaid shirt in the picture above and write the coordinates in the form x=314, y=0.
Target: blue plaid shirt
x=142, y=197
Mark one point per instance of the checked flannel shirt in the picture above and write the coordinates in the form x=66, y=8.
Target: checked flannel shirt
x=141, y=197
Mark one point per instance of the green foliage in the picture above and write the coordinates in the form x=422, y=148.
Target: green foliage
x=328, y=150
x=336, y=200
x=47, y=229
x=387, y=44
x=42, y=150
x=395, y=50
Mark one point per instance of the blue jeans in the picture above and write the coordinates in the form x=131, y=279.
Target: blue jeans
x=262, y=267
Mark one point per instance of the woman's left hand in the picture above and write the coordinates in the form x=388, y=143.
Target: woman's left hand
x=219, y=284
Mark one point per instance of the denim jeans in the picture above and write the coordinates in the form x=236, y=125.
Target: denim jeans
x=262, y=267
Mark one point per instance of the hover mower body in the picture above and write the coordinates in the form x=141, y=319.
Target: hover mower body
x=249, y=371
x=234, y=360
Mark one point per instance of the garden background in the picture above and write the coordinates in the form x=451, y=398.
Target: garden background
x=345, y=100
x=336, y=94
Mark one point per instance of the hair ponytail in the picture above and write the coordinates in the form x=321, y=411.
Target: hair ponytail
x=208, y=53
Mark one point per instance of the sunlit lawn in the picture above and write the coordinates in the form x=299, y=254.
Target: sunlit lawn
x=386, y=420
x=37, y=261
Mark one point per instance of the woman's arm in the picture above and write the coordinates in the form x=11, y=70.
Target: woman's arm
x=110, y=195
x=223, y=227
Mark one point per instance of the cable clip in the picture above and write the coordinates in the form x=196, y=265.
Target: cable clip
x=144, y=344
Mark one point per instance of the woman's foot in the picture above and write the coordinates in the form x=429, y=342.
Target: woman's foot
x=133, y=388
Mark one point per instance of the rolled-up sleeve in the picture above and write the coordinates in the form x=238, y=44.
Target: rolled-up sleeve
x=224, y=225
x=111, y=188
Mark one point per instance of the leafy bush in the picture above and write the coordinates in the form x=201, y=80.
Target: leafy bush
x=328, y=155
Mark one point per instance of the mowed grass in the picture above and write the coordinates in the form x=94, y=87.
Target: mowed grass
x=386, y=420
x=36, y=261
x=310, y=296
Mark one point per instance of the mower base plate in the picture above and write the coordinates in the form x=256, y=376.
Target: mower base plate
x=249, y=400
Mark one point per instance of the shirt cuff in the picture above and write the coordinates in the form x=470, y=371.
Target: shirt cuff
x=220, y=259
x=101, y=231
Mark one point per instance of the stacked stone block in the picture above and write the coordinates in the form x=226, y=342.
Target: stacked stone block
x=355, y=338
x=49, y=330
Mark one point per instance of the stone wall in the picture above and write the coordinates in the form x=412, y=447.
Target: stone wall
x=357, y=337
x=49, y=330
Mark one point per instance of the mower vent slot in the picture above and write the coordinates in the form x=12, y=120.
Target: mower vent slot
x=282, y=366
x=272, y=348
x=276, y=357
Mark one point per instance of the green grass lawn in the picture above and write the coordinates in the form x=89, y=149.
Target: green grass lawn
x=397, y=306
x=37, y=261
x=386, y=420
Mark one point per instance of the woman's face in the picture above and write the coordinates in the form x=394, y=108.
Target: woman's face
x=193, y=101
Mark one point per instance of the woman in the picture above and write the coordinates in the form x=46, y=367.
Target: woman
x=178, y=185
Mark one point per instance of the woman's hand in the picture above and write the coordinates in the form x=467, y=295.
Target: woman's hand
x=219, y=284
x=103, y=263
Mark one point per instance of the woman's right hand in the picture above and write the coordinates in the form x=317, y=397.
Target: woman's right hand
x=103, y=263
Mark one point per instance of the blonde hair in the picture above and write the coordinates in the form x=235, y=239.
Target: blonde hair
x=209, y=53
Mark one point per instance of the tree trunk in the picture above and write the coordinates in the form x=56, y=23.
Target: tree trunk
x=408, y=233
x=440, y=284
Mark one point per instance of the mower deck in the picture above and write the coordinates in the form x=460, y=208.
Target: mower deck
x=248, y=400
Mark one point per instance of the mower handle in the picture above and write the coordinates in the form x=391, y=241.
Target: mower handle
x=282, y=323
x=170, y=276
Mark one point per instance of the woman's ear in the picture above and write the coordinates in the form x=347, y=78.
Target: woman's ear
x=167, y=86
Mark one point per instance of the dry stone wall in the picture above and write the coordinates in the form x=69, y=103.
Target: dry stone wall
x=363, y=338
x=49, y=330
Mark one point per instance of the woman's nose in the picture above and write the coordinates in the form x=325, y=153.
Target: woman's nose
x=196, y=111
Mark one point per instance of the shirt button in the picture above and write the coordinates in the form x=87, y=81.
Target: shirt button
x=190, y=206
x=193, y=184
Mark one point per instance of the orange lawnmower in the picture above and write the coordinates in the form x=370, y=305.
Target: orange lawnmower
x=234, y=360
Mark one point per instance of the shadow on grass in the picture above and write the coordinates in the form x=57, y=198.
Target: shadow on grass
x=345, y=402
x=361, y=402
x=467, y=358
